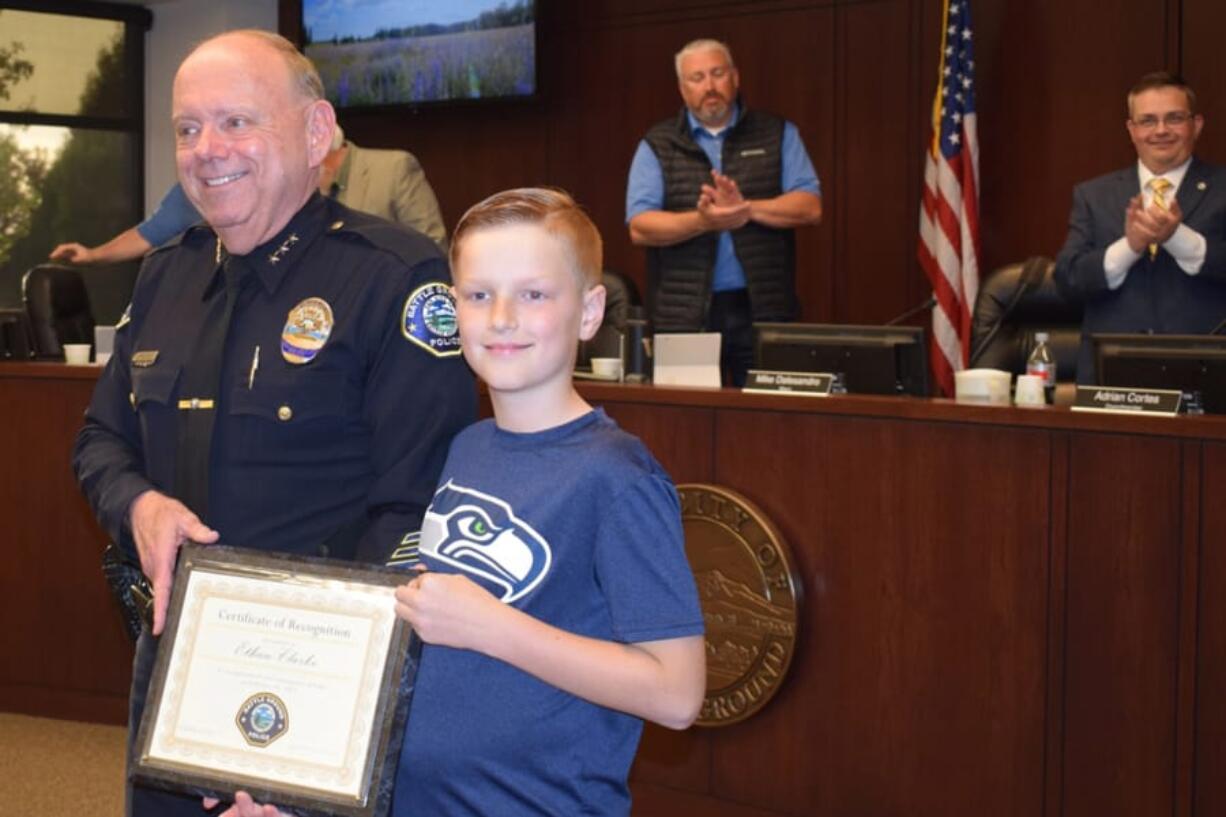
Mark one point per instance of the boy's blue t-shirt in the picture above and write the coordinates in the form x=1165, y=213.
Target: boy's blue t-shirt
x=579, y=527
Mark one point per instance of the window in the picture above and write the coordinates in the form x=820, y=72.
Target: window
x=71, y=144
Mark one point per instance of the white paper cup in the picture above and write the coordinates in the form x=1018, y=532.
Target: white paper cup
x=610, y=367
x=1029, y=391
x=984, y=386
x=76, y=354
x=104, y=343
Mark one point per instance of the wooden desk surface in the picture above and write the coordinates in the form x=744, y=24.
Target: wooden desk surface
x=1007, y=611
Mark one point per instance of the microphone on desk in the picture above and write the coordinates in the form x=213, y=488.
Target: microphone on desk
x=913, y=311
x=1217, y=330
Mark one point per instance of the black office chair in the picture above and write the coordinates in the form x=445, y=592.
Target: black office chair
x=621, y=295
x=1016, y=301
x=58, y=308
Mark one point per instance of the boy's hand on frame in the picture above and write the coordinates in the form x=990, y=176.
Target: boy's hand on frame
x=448, y=609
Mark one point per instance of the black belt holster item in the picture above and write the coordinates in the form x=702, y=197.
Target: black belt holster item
x=131, y=590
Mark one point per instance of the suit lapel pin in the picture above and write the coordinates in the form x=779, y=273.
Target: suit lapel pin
x=1201, y=185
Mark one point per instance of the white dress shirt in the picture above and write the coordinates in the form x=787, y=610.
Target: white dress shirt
x=1185, y=245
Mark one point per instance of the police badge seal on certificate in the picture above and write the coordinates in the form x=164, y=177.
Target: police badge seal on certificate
x=286, y=677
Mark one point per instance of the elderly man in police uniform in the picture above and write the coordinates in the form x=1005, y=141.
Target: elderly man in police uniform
x=288, y=377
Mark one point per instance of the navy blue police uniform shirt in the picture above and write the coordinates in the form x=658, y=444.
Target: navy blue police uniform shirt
x=329, y=449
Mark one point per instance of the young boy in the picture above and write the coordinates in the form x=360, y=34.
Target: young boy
x=556, y=604
x=557, y=609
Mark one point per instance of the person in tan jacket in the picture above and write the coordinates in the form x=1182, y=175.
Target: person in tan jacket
x=387, y=183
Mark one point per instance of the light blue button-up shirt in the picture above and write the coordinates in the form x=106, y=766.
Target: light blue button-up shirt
x=645, y=188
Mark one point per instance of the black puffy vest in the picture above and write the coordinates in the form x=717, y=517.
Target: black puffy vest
x=679, y=276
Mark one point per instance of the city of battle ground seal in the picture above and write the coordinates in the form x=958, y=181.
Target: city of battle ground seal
x=750, y=595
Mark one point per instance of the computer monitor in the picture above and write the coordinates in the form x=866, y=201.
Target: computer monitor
x=871, y=359
x=1187, y=363
x=15, y=343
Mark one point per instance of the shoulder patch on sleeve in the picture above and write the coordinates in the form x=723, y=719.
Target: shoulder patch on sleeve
x=429, y=320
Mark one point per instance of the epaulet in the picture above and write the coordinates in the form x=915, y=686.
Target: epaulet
x=405, y=243
x=193, y=236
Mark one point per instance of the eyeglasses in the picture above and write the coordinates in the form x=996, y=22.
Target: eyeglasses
x=1174, y=119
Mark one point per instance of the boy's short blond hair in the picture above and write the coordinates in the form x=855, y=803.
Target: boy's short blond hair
x=551, y=208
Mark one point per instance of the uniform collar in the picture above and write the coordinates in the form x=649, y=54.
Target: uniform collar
x=272, y=260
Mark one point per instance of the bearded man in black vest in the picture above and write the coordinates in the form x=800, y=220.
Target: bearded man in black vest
x=714, y=194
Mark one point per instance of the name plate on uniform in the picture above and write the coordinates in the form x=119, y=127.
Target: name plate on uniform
x=1113, y=400
x=808, y=384
x=286, y=677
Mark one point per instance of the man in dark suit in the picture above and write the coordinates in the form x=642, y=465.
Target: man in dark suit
x=1146, y=248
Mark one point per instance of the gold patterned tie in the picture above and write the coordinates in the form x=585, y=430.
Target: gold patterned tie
x=1159, y=187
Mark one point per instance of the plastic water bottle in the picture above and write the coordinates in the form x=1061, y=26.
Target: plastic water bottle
x=1041, y=363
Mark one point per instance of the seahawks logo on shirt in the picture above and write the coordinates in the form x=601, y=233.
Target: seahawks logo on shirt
x=481, y=536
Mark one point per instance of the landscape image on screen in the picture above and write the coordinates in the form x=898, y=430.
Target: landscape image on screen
x=398, y=52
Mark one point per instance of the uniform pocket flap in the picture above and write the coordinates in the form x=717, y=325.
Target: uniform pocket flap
x=301, y=396
x=154, y=385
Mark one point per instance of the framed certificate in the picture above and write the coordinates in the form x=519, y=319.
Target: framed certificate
x=285, y=676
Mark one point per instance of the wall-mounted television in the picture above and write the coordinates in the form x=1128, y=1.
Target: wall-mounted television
x=382, y=53
x=871, y=359
x=1193, y=364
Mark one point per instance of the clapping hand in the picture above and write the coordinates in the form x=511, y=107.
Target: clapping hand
x=721, y=205
x=1144, y=226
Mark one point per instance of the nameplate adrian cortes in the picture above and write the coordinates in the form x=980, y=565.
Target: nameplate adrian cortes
x=750, y=595
x=286, y=677
x=1112, y=400
x=805, y=384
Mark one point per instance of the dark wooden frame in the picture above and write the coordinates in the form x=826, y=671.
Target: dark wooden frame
x=395, y=685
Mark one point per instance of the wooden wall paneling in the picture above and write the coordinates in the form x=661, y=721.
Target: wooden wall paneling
x=1052, y=77
x=1057, y=607
x=876, y=208
x=924, y=621
x=73, y=663
x=1202, y=24
x=1189, y=610
x=589, y=156
x=652, y=800
x=1209, y=780
x=1124, y=551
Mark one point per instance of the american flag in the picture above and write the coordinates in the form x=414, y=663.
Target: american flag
x=949, y=211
